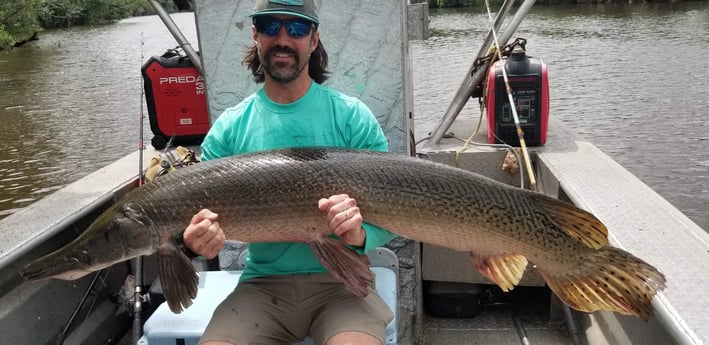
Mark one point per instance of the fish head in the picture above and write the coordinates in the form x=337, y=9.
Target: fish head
x=121, y=233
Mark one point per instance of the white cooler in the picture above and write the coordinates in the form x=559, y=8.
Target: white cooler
x=166, y=328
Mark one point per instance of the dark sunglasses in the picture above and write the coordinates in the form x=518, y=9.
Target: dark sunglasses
x=295, y=27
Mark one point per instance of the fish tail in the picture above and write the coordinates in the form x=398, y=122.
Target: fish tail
x=608, y=279
x=344, y=264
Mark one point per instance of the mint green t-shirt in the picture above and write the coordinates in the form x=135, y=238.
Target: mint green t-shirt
x=322, y=117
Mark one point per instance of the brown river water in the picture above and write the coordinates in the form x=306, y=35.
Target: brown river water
x=633, y=79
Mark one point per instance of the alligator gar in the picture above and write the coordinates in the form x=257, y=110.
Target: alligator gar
x=272, y=196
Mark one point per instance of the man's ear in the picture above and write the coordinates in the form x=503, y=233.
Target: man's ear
x=314, y=42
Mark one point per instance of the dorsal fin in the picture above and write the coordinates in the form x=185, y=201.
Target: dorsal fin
x=577, y=223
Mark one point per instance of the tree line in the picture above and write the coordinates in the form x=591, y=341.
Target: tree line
x=22, y=20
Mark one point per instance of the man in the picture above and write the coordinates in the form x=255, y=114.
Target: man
x=285, y=294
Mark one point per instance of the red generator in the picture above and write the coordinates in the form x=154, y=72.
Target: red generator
x=529, y=82
x=177, y=102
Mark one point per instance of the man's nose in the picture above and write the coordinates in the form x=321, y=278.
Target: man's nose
x=282, y=33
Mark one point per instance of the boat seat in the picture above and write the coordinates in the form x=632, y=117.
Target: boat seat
x=164, y=327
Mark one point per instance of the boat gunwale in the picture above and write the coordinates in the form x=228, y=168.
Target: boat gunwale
x=18, y=237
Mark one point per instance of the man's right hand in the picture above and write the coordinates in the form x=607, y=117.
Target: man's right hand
x=204, y=236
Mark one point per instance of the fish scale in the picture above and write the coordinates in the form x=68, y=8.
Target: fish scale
x=272, y=196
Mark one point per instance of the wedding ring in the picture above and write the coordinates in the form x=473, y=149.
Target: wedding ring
x=347, y=214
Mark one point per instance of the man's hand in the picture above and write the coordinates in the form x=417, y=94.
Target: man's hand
x=204, y=236
x=344, y=219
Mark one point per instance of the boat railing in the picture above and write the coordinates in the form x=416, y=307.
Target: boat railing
x=22, y=233
x=640, y=221
x=45, y=226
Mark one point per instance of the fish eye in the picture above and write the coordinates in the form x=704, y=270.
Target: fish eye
x=84, y=256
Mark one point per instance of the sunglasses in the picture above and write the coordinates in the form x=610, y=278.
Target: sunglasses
x=295, y=27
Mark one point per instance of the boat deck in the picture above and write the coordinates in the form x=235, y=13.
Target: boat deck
x=494, y=327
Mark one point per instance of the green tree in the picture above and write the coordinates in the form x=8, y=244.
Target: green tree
x=66, y=13
x=61, y=13
x=18, y=21
x=21, y=20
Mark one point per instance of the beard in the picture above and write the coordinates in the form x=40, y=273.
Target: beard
x=281, y=72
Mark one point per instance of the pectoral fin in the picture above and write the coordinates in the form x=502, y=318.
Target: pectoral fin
x=178, y=277
x=344, y=264
x=504, y=270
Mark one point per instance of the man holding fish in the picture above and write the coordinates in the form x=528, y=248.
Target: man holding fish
x=300, y=281
x=292, y=109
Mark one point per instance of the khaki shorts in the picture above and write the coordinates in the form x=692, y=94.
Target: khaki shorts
x=286, y=309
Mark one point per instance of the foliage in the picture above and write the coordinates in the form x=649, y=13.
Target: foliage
x=18, y=21
x=461, y=3
x=65, y=13
x=6, y=40
x=454, y=3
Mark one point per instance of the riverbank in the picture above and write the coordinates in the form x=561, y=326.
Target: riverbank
x=21, y=21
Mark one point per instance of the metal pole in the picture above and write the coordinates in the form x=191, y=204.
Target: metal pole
x=504, y=11
x=466, y=88
x=516, y=20
x=179, y=37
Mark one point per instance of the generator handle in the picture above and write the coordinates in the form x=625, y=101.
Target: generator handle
x=177, y=34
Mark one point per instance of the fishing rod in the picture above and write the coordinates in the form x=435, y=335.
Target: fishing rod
x=62, y=335
x=515, y=117
x=141, y=144
x=137, y=329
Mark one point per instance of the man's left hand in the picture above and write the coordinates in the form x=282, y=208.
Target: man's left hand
x=344, y=219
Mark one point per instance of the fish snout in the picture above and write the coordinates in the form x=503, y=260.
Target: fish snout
x=66, y=268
